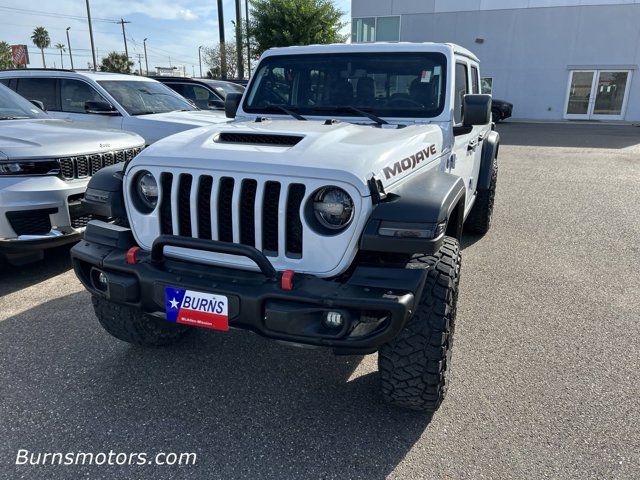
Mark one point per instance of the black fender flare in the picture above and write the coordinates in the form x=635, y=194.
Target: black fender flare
x=425, y=201
x=489, y=152
x=104, y=196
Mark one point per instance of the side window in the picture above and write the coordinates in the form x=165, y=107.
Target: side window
x=74, y=93
x=199, y=95
x=487, y=85
x=4, y=81
x=461, y=89
x=177, y=87
x=475, y=87
x=42, y=89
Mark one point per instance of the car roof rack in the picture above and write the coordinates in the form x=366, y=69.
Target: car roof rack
x=39, y=69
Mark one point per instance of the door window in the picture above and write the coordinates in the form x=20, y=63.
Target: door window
x=74, y=94
x=486, y=85
x=462, y=88
x=197, y=94
x=475, y=88
x=610, y=93
x=580, y=93
x=42, y=89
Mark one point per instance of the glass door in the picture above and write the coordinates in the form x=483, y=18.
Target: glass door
x=597, y=94
x=580, y=93
x=610, y=95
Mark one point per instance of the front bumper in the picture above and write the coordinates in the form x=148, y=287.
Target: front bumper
x=40, y=212
x=374, y=302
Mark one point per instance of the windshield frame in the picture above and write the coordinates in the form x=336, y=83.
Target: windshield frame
x=323, y=112
x=28, y=111
x=185, y=105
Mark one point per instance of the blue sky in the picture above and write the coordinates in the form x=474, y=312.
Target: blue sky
x=174, y=28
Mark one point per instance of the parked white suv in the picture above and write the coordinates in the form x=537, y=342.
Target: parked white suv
x=110, y=100
x=328, y=213
x=45, y=165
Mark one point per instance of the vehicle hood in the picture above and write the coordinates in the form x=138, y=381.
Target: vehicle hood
x=38, y=138
x=340, y=151
x=196, y=118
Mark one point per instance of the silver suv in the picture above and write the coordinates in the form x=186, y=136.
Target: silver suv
x=45, y=165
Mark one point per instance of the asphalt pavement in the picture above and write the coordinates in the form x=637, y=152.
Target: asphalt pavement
x=546, y=380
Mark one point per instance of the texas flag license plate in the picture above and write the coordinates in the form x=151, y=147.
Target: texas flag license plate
x=197, y=309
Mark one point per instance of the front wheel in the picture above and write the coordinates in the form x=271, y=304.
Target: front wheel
x=479, y=219
x=416, y=365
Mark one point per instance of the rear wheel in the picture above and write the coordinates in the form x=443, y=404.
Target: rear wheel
x=479, y=219
x=133, y=326
x=415, y=366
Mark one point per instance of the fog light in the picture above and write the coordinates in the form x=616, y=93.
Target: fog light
x=333, y=320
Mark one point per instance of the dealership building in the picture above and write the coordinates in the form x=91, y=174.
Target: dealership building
x=553, y=59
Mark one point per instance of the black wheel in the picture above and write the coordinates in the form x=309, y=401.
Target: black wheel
x=479, y=219
x=496, y=115
x=415, y=366
x=131, y=325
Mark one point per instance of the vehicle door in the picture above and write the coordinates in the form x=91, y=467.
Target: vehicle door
x=479, y=131
x=73, y=97
x=465, y=138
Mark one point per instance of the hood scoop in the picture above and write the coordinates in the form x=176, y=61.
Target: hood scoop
x=258, y=139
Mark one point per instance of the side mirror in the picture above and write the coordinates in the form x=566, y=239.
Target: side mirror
x=477, y=110
x=100, y=108
x=216, y=104
x=39, y=104
x=231, y=104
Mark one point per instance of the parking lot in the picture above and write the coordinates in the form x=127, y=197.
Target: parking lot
x=546, y=359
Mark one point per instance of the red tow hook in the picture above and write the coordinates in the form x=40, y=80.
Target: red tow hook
x=132, y=255
x=287, y=280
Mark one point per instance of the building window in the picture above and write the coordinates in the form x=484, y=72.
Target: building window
x=487, y=85
x=375, y=29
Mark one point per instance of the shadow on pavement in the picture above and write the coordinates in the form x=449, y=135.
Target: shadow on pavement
x=569, y=135
x=14, y=278
x=249, y=407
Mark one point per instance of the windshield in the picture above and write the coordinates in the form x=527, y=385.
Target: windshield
x=385, y=84
x=13, y=106
x=143, y=98
x=225, y=87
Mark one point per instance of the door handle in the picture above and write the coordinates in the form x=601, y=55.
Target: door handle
x=472, y=145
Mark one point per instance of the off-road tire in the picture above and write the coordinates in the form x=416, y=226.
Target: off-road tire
x=133, y=326
x=415, y=366
x=479, y=219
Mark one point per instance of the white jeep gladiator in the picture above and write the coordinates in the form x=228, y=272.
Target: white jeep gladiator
x=327, y=213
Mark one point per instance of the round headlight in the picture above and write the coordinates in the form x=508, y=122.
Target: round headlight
x=147, y=189
x=333, y=208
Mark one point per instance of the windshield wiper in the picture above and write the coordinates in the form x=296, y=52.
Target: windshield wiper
x=351, y=108
x=284, y=109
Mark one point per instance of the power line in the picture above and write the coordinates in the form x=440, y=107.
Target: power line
x=39, y=13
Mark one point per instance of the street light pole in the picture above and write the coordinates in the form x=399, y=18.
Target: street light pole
x=246, y=7
x=200, y=60
x=223, y=53
x=239, y=38
x=69, y=45
x=146, y=59
x=93, y=48
x=124, y=36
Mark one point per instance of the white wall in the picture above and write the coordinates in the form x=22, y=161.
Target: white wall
x=527, y=51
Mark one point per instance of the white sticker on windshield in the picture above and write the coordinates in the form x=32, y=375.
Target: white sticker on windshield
x=437, y=70
x=426, y=76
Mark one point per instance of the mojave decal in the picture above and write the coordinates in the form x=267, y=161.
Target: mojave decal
x=409, y=163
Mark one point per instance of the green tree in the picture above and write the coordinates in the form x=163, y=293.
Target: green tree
x=281, y=23
x=40, y=39
x=5, y=56
x=116, y=62
x=63, y=48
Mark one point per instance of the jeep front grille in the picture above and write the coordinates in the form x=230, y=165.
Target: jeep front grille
x=84, y=166
x=262, y=214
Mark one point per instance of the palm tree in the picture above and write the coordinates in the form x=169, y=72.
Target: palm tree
x=63, y=48
x=40, y=39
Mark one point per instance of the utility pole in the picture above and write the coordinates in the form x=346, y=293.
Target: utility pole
x=246, y=7
x=146, y=59
x=140, y=63
x=239, y=38
x=124, y=36
x=93, y=48
x=69, y=45
x=223, y=53
x=200, y=60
